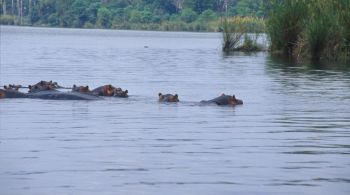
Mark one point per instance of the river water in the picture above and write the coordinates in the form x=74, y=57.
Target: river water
x=291, y=136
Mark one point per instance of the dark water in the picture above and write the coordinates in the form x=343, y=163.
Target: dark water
x=291, y=136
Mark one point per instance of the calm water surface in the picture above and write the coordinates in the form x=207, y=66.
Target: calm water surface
x=291, y=136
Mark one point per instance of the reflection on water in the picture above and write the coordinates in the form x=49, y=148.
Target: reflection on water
x=291, y=136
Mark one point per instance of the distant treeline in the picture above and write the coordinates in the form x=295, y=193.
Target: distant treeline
x=191, y=15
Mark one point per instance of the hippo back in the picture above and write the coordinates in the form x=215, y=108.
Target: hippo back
x=221, y=100
x=10, y=93
x=57, y=95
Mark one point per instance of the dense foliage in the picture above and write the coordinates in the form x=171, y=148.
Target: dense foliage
x=319, y=29
x=194, y=15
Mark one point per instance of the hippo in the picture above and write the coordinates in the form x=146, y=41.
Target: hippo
x=223, y=100
x=120, y=93
x=109, y=90
x=47, y=90
x=106, y=90
x=168, y=98
x=43, y=85
x=11, y=91
x=81, y=89
x=58, y=95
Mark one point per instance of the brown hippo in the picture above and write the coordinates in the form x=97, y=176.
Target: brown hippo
x=11, y=91
x=109, y=90
x=118, y=92
x=81, y=89
x=168, y=98
x=223, y=100
x=42, y=86
x=106, y=90
x=47, y=90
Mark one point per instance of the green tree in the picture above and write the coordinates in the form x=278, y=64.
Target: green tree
x=250, y=8
x=199, y=5
x=188, y=15
x=104, y=17
x=207, y=15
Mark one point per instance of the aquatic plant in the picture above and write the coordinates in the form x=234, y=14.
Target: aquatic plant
x=235, y=33
x=285, y=25
x=315, y=29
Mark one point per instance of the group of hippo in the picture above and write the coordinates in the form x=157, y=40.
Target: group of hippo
x=49, y=90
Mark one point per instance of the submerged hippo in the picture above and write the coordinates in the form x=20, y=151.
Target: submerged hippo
x=120, y=93
x=47, y=90
x=43, y=85
x=81, y=89
x=223, y=100
x=110, y=90
x=168, y=97
x=58, y=95
x=11, y=91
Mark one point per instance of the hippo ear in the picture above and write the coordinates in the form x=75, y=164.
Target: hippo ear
x=87, y=87
x=126, y=91
x=159, y=94
x=29, y=86
x=5, y=87
x=233, y=96
x=74, y=86
x=176, y=96
x=222, y=94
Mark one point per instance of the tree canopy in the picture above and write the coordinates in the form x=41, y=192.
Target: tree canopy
x=122, y=13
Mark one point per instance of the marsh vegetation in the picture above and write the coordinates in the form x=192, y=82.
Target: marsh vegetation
x=315, y=29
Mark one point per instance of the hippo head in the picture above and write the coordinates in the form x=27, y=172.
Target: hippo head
x=81, y=89
x=118, y=92
x=43, y=85
x=108, y=90
x=168, y=98
x=12, y=87
x=233, y=101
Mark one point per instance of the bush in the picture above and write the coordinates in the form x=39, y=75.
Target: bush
x=104, y=17
x=188, y=15
x=236, y=29
x=7, y=19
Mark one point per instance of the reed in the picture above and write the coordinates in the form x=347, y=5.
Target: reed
x=314, y=29
x=285, y=25
x=235, y=33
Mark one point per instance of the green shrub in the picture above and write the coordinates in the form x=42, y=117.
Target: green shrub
x=7, y=19
x=236, y=28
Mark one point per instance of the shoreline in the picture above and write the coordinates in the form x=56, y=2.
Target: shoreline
x=110, y=29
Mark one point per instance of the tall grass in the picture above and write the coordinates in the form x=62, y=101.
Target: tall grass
x=235, y=33
x=315, y=29
x=285, y=24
